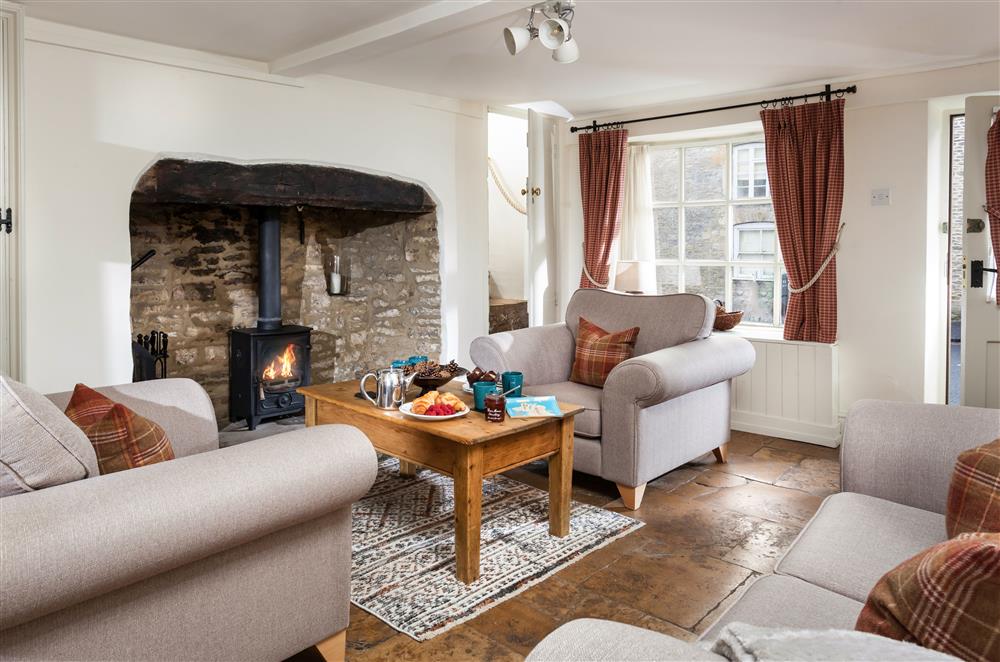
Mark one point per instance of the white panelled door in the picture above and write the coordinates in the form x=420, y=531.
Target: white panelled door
x=540, y=262
x=980, y=314
x=10, y=183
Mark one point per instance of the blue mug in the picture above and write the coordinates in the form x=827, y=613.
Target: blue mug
x=479, y=392
x=512, y=380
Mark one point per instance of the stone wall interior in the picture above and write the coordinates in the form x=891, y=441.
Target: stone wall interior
x=202, y=282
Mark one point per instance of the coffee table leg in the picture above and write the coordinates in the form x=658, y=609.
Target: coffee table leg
x=468, y=475
x=561, y=480
x=407, y=469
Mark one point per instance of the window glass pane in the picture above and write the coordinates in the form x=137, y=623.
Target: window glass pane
x=710, y=281
x=753, y=293
x=667, y=280
x=705, y=173
x=768, y=242
x=753, y=214
x=705, y=232
x=784, y=294
x=666, y=222
x=665, y=166
x=742, y=188
x=748, y=241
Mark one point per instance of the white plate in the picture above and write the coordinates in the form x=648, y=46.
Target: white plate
x=466, y=387
x=422, y=417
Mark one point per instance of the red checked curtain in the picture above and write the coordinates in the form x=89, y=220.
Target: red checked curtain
x=805, y=167
x=993, y=188
x=602, y=186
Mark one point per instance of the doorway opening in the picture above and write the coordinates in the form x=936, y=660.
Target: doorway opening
x=507, y=144
x=956, y=256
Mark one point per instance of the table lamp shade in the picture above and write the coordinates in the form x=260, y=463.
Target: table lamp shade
x=635, y=276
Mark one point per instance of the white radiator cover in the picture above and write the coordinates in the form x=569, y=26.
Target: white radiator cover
x=791, y=392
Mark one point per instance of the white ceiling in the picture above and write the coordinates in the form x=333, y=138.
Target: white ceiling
x=632, y=52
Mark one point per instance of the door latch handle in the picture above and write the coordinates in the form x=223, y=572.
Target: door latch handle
x=535, y=192
x=7, y=220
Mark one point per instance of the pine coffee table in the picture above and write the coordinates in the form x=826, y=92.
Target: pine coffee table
x=467, y=449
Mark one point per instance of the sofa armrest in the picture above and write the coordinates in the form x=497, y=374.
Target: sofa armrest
x=662, y=375
x=63, y=545
x=905, y=452
x=594, y=639
x=180, y=406
x=543, y=353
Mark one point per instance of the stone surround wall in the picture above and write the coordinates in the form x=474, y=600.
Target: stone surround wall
x=203, y=282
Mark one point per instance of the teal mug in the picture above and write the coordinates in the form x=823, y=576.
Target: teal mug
x=512, y=380
x=479, y=392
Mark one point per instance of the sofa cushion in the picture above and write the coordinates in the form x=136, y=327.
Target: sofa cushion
x=787, y=602
x=974, y=492
x=124, y=440
x=742, y=641
x=87, y=406
x=854, y=539
x=666, y=319
x=599, y=351
x=946, y=598
x=588, y=423
x=593, y=639
x=39, y=446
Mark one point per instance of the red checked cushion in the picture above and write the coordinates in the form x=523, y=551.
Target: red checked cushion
x=974, y=493
x=946, y=598
x=87, y=406
x=598, y=352
x=121, y=438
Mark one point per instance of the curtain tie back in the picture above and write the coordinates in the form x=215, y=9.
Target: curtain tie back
x=822, y=267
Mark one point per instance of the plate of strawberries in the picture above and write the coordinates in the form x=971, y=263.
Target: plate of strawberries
x=435, y=406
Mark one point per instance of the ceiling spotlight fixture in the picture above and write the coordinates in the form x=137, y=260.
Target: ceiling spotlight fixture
x=554, y=33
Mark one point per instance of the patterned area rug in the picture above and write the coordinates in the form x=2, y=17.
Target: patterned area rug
x=404, y=548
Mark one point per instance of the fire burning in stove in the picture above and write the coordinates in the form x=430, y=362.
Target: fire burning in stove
x=281, y=369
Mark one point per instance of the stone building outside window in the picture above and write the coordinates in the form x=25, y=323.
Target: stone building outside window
x=714, y=226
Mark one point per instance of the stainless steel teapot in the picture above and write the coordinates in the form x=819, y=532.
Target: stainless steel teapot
x=391, y=385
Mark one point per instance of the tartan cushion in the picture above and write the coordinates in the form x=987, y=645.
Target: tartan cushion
x=598, y=352
x=121, y=438
x=87, y=406
x=944, y=598
x=974, y=493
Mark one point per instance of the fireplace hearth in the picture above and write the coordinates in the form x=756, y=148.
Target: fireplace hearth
x=267, y=363
x=238, y=314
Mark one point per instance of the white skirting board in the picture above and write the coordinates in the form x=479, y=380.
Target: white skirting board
x=791, y=392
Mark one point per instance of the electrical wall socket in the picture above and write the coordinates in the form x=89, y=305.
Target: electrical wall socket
x=881, y=197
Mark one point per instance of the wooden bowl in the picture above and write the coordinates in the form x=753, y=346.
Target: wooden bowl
x=432, y=384
x=725, y=321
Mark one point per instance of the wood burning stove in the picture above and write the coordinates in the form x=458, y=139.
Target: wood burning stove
x=268, y=362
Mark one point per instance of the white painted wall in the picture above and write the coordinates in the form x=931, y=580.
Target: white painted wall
x=888, y=345
x=508, y=148
x=94, y=121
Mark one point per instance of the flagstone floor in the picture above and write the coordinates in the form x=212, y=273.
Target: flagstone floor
x=711, y=529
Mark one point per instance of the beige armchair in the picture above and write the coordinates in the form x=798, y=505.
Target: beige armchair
x=665, y=406
x=241, y=553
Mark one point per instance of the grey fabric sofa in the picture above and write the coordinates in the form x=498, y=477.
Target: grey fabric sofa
x=896, y=464
x=240, y=553
x=665, y=406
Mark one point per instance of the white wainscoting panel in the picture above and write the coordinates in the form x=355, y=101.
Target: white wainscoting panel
x=791, y=392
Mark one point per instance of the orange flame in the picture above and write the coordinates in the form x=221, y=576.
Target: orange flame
x=281, y=365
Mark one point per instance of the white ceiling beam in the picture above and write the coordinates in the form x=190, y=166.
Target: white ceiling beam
x=414, y=27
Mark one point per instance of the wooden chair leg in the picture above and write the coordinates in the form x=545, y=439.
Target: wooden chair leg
x=721, y=453
x=334, y=649
x=632, y=496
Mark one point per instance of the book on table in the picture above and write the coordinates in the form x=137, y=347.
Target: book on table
x=534, y=406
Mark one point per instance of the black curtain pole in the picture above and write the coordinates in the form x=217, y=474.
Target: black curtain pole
x=827, y=94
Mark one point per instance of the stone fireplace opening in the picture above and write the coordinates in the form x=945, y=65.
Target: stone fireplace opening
x=205, y=288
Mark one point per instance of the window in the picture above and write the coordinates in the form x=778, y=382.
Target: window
x=715, y=232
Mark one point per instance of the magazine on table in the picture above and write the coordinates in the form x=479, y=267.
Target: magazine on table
x=534, y=406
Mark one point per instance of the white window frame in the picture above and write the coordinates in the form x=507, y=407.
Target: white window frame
x=728, y=199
